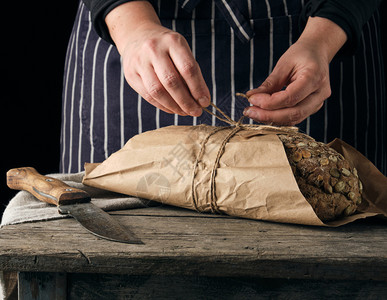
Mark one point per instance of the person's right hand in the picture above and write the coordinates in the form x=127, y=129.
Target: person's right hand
x=159, y=65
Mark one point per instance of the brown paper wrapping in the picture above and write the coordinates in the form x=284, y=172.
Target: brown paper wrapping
x=241, y=172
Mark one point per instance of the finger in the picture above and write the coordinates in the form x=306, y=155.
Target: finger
x=273, y=83
x=138, y=86
x=190, y=71
x=304, y=85
x=175, y=86
x=288, y=116
x=155, y=90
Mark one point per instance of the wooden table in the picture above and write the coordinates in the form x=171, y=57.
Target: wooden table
x=188, y=255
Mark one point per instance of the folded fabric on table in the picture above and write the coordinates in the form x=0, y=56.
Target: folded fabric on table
x=24, y=207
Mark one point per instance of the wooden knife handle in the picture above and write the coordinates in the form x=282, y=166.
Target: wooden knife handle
x=46, y=189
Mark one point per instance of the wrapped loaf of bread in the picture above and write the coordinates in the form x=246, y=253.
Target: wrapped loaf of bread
x=256, y=172
x=326, y=179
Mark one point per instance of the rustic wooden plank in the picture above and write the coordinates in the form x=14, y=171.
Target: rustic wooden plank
x=42, y=286
x=163, y=210
x=9, y=282
x=107, y=286
x=181, y=242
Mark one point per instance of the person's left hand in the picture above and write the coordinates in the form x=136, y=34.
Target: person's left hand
x=304, y=72
x=306, y=77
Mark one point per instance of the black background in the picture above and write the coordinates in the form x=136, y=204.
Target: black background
x=34, y=41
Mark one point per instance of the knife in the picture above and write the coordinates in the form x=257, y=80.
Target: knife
x=72, y=201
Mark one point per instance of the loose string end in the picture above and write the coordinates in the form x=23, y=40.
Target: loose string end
x=241, y=95
x=239, y=123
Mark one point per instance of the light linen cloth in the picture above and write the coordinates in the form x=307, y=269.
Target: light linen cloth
x=24, y=207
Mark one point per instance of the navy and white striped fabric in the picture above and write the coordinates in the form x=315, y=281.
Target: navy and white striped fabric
x=231, y=13
x=236, y=43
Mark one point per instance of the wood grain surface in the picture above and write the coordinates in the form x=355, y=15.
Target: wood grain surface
x=182, y=242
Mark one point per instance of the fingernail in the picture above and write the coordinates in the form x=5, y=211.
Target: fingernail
x=203, y=101
x=196, y=112
x=246, y=111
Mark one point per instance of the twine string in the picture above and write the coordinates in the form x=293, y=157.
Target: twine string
x=231, y=122
x=238, y=126
x=213, y=199
x=198, y=159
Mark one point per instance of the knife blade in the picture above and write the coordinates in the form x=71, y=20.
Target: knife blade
x=72, y=201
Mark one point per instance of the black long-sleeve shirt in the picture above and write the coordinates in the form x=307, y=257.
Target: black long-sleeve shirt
x=350, y=15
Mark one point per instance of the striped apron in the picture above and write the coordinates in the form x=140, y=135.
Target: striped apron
x=237, y=44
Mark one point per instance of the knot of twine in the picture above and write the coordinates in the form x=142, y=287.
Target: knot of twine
x=235, y=127
x=231, y=122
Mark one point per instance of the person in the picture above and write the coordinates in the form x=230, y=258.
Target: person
x=134, y=66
